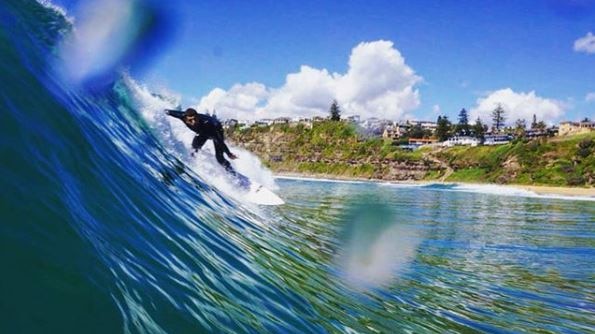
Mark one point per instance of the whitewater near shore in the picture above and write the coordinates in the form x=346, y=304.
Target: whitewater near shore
x=518, y=189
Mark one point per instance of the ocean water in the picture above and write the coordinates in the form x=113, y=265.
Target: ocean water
x=107, y=225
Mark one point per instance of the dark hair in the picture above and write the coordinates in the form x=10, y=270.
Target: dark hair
x=190, y=112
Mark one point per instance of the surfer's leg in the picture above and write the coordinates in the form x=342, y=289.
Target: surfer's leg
x=198, y=142
x=220, y=158
x=220, y=138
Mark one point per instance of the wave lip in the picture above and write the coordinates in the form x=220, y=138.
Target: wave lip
x=57, y=9
x=176, y=138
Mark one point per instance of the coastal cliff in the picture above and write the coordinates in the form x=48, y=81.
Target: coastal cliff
x=337, y=149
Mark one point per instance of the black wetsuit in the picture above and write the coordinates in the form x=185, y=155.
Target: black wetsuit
x=207, y=127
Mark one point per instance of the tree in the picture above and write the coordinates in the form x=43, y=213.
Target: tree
x=540, y=126
x=416, y=131
x=519, y=127
x=463, y=126
x=335, y=111
x=479, y=130
x=498, y=118
x=442, y=128
x=534, y=123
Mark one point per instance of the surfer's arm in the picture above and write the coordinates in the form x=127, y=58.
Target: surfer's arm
x=175, y=113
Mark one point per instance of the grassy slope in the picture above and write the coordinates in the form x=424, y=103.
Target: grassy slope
x=335, y=148
x=332, y=148
x=559, y=161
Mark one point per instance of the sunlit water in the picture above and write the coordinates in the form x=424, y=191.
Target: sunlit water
x=483, y=262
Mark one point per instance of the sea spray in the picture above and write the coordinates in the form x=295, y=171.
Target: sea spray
x=176, y=137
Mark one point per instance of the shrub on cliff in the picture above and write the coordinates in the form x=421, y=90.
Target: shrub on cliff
x=585, y=147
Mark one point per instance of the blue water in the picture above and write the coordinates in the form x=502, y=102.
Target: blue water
x=106, y=226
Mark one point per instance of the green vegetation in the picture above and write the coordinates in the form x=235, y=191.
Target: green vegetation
x=463, y=127
x=565, y=161
x=443, y=128
x=468, y=174
x=337, y=149
x=328, y=147
x=498, y=117
x=335, y=111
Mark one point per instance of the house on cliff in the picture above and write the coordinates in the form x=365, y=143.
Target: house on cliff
x=497, y=139
x=460, y=141
x=282, y=120
x=573, y=128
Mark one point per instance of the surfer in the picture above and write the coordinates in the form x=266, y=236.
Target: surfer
x=206, y=127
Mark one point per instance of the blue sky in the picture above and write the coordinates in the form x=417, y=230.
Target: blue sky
x=463, y=50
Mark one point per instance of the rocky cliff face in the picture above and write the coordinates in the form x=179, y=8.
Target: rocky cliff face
x=278, y=152
x=336, y=149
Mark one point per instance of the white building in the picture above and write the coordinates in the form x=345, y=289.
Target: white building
x=461, y=140
x=230, y=123
x=354, y=118
x=263, y=122
x=306, y=122
x=496, y=139
x=394, y=131
x=282, y=120
x=425, y=125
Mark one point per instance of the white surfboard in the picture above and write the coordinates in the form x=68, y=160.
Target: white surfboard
x=258, y=194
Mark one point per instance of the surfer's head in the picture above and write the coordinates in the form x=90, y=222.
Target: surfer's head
x=190, y=116
x=190, y=112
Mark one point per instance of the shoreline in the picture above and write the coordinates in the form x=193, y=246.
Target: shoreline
x=536, y=189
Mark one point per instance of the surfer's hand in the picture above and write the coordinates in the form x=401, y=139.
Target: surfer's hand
x=232, y=156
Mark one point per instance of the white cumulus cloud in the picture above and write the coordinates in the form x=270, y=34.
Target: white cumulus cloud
x=305, y=93
x=378, y=83
x=590, y=97
x=518, y=106
x=585, y=44
x=240, y=101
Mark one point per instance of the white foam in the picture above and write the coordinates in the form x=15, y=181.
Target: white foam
x=315, y=179
x=60, y=10
x=514, y=191
x=177, y=138
x=402, y=184
x=492, y=189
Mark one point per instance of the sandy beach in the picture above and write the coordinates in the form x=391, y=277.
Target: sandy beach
x=540, y=190
x=549, y=190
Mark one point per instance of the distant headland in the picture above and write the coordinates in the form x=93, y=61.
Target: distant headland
x=536, y=154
